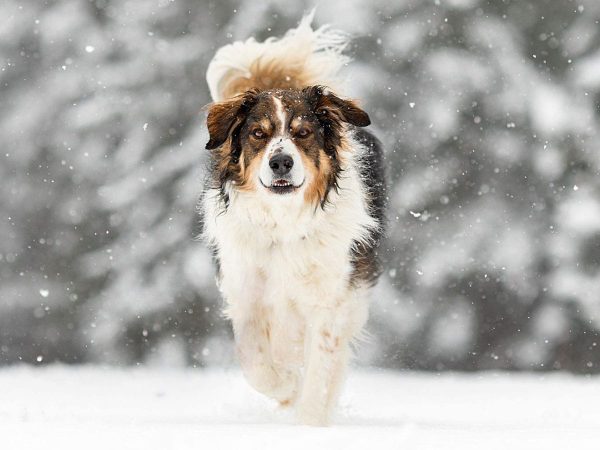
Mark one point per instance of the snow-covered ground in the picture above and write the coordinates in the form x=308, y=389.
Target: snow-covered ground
x=105, y=408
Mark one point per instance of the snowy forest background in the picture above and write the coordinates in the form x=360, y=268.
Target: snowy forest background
x=489, y=114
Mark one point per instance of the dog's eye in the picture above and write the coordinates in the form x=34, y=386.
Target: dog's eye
x=303, y=132
x=258, y=133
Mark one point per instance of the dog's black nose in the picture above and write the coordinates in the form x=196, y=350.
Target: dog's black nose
x=281, y=164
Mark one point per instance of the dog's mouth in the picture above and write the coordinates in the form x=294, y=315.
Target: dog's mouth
x=282, y=186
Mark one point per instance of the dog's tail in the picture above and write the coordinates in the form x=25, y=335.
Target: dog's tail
x=302, y=57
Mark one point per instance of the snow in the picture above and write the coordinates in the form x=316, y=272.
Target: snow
x=98, y=408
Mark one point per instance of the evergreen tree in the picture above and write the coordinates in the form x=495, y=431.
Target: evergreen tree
x=488, y=112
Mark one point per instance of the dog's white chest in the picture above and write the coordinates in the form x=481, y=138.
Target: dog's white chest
x=302, y=268
x=279, y=250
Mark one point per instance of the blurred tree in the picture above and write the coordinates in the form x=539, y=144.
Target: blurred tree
x=493, y=133
x=104, y=148
x=488, y=110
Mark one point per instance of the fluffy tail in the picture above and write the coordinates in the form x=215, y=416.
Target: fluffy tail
x=301, y=58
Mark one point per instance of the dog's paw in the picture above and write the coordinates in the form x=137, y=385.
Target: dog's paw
x=312, y=417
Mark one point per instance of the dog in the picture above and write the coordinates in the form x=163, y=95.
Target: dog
x=293, y=210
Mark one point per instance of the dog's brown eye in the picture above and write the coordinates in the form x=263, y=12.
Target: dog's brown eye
x=258, y=133
x=303, y=132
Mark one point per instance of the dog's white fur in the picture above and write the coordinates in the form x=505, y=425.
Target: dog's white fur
x=285, y=264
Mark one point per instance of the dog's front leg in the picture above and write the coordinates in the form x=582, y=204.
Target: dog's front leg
x=253, y=333
x=252, y=320
x=328, y=350
x=287, y=345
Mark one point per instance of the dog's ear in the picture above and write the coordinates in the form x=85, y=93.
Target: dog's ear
x=226, y=116
x=327, y=105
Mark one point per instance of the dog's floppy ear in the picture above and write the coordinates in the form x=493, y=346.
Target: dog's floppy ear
x=224, y=117
x=328, y=105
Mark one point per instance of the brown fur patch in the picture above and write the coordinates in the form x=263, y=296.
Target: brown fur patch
x=329, y=343
x=285, y=403
x=249, y=172
x=266, y=75
x=224, y=116
x=236, y=155
x=320, y=176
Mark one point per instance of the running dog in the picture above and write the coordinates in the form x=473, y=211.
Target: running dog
x=293, y=209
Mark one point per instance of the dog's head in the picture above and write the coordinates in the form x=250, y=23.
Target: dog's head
x=281, y=142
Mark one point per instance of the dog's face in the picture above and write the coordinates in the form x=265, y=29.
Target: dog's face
x=281, y=142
